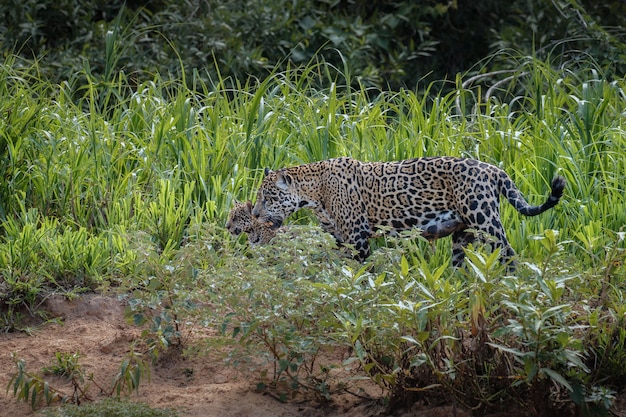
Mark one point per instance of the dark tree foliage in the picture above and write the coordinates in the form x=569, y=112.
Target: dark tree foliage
x=384, y=44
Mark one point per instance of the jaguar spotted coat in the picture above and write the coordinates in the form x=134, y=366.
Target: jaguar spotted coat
x=240, y=220
x=354, y=199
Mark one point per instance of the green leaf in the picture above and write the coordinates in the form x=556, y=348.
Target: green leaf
x=46, y=393
x=236, y=330
x=555, y=376
x=513, y=351
x=404, y=266
x=360, y=351
x=33, y=402
x=139, y=319
x=410, y=339
x=419, y=360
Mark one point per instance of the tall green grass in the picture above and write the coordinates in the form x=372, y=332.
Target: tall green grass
x=105, y=154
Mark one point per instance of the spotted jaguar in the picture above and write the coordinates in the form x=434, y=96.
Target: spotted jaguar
x=354, y=200
x=240, y=220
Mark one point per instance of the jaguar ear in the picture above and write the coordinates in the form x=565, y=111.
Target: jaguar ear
x=283, y=181
x=267, y=171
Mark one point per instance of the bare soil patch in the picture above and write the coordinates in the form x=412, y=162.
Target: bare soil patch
x=94, y=325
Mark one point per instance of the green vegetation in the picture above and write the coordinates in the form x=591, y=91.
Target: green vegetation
x=385, y=44
x=127, y=188
x=109, y=408
x=121, y=180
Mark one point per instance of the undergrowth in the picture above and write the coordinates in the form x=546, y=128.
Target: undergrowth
x=110, y=408
x=123, y=185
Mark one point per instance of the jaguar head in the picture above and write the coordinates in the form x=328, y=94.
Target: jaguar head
x=240, y=218
x=277, y=198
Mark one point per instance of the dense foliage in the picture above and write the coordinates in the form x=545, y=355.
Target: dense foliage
x=125, y=140
x=124, y=186
x=384, y=44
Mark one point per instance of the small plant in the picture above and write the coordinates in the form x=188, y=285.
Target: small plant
x=22, y=285
x=33, y=388
x=159, y=301
x=132, y=369
x=67, y=367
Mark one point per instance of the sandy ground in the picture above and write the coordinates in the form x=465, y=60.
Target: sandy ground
x=94, y=325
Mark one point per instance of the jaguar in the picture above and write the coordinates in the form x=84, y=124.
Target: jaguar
x=443, y=195
x=240, y=220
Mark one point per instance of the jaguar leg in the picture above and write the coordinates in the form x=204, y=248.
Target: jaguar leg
x=460, y=240
x=494, y=236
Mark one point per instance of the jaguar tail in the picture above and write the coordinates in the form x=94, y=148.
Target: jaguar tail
x=514, y=196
